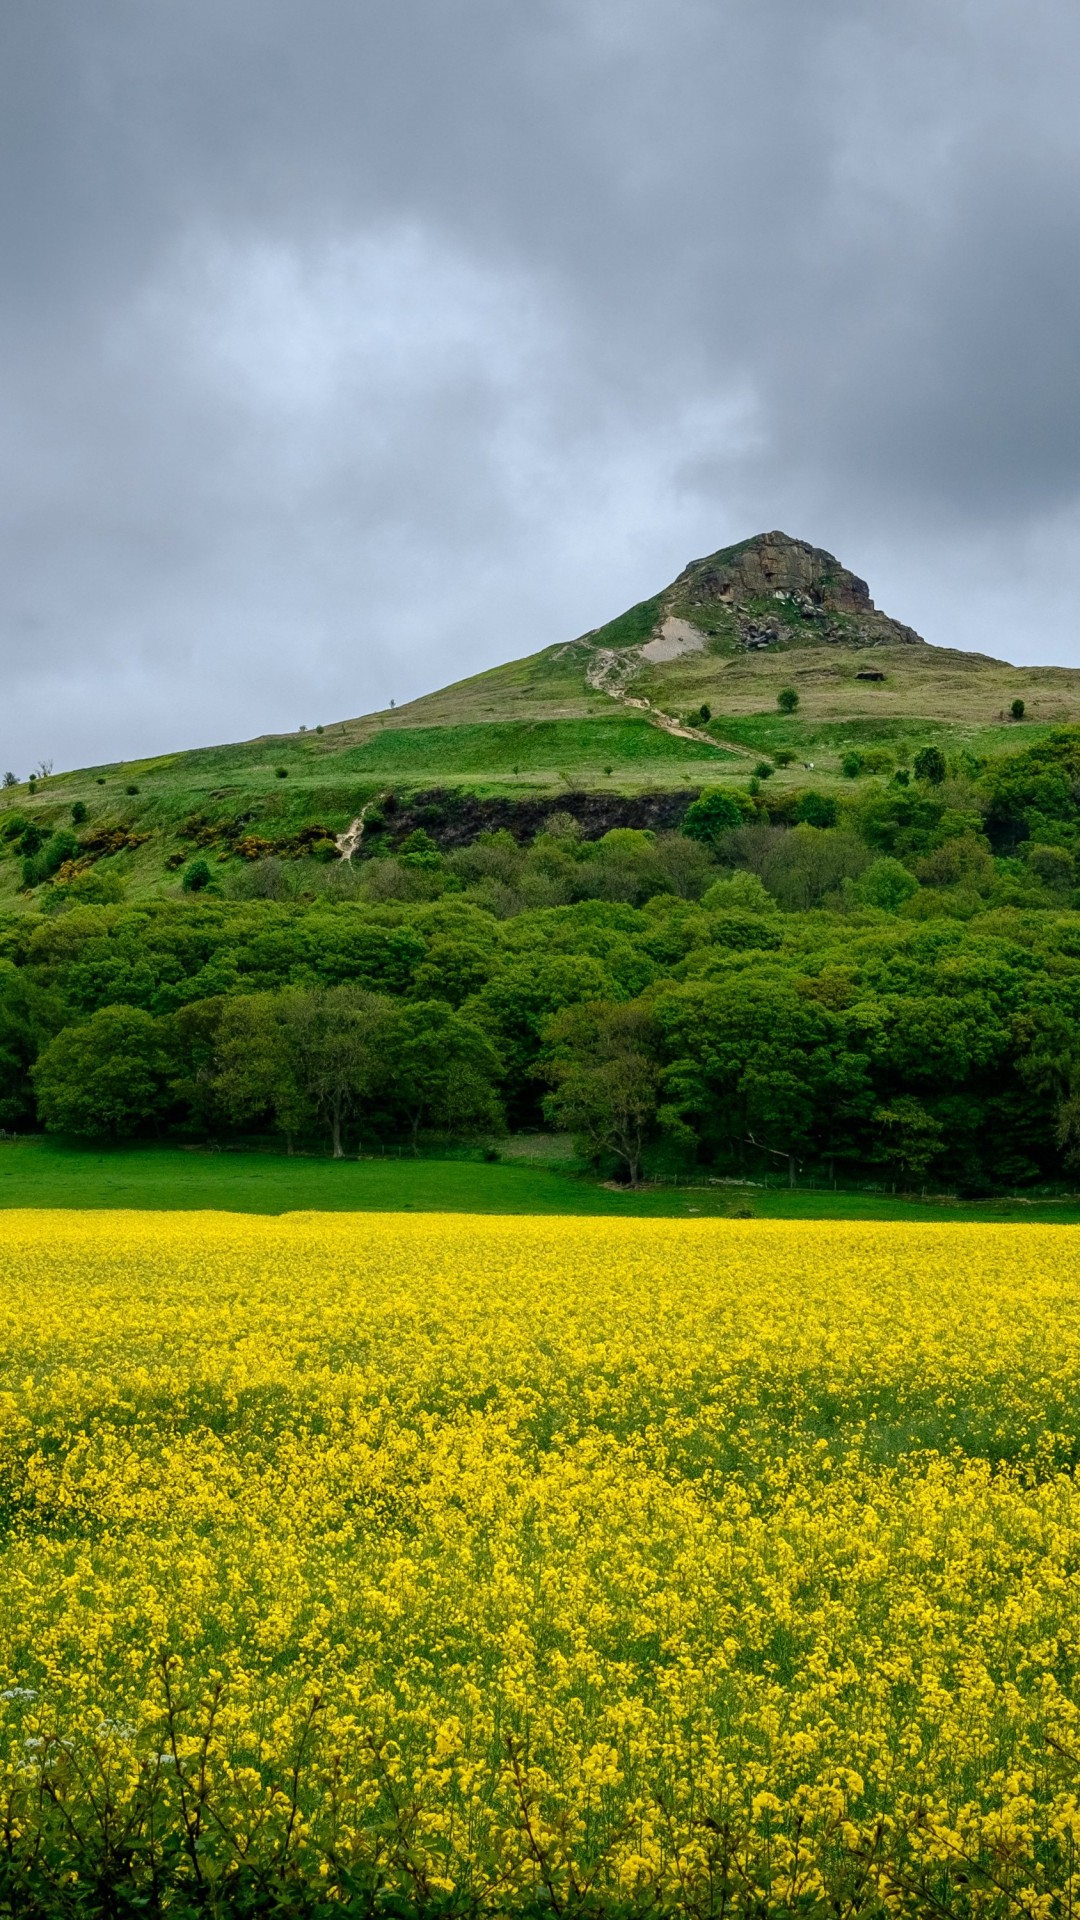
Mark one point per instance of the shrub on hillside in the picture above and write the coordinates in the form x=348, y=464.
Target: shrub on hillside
x=815, y=810
x=29, y=836
x=713, y=813
x=1054, y=866
x=197, y=877
x=961, y=861
x=801, y=869
x=739, y=892
x=49, y=856
x=87, y=887
x=419, y=850
x=929, y=765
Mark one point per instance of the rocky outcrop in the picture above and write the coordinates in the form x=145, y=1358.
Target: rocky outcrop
x=813, y=597
x=454, y=818
x=774, y=562
x=768, y=592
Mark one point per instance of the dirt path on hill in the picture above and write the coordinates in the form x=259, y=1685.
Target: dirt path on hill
x=348, y=842
x=609, y=671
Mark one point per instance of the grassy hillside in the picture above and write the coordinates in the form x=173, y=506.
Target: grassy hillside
x=537, y=727
x=963, y=697
x=274, y=795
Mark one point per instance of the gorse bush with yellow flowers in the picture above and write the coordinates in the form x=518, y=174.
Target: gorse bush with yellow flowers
x=391, y=1564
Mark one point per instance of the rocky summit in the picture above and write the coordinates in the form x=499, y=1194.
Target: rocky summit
x=769, y=592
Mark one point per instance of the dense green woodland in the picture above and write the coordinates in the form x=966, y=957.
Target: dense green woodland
x=885, y=982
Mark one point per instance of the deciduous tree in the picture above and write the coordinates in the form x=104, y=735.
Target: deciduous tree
x=602, y=1062
x=108, y=1077
x=445, y=1070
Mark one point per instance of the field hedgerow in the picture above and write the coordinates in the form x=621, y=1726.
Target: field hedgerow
x=367, y=1563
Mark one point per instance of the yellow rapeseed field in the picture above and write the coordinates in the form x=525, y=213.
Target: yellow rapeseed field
x=541, y=1560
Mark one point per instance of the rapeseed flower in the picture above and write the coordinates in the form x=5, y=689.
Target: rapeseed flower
x=558, y=1559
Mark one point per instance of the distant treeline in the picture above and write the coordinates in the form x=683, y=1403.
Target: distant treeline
x=889, y=982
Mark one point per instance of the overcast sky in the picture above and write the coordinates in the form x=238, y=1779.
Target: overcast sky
x=350, y=346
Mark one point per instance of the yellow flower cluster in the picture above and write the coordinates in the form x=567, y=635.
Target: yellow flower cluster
x=715, y=1563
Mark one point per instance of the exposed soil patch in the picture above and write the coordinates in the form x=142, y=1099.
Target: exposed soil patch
x=675, y=638
x=348, y=843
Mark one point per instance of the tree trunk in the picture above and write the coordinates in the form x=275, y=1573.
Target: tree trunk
x=335, y=1135
x=791, y=1169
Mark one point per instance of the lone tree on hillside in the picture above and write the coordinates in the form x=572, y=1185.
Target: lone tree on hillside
x=787, y=699
x=1017, y=709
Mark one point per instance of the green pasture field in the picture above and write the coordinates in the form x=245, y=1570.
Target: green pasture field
x=38, y=1172
x=293, y=779
x=542, y=747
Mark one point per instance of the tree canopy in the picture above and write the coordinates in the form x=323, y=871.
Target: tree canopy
x=897, y=993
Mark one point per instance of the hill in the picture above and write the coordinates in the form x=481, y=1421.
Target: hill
x=678, y=692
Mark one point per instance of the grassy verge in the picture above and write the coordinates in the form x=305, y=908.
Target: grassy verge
x=43, y=1173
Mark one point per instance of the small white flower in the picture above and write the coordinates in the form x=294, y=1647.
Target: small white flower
x=19, y=1693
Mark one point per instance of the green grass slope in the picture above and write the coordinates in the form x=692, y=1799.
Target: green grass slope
x=278, y=795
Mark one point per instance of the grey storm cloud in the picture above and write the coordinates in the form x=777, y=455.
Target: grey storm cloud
x=347, y=348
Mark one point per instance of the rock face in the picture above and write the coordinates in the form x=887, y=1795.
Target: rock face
x=768, y=592
x=808, y=588
x=775, y=563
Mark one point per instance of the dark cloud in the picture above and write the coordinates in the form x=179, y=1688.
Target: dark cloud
x=348, y=348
